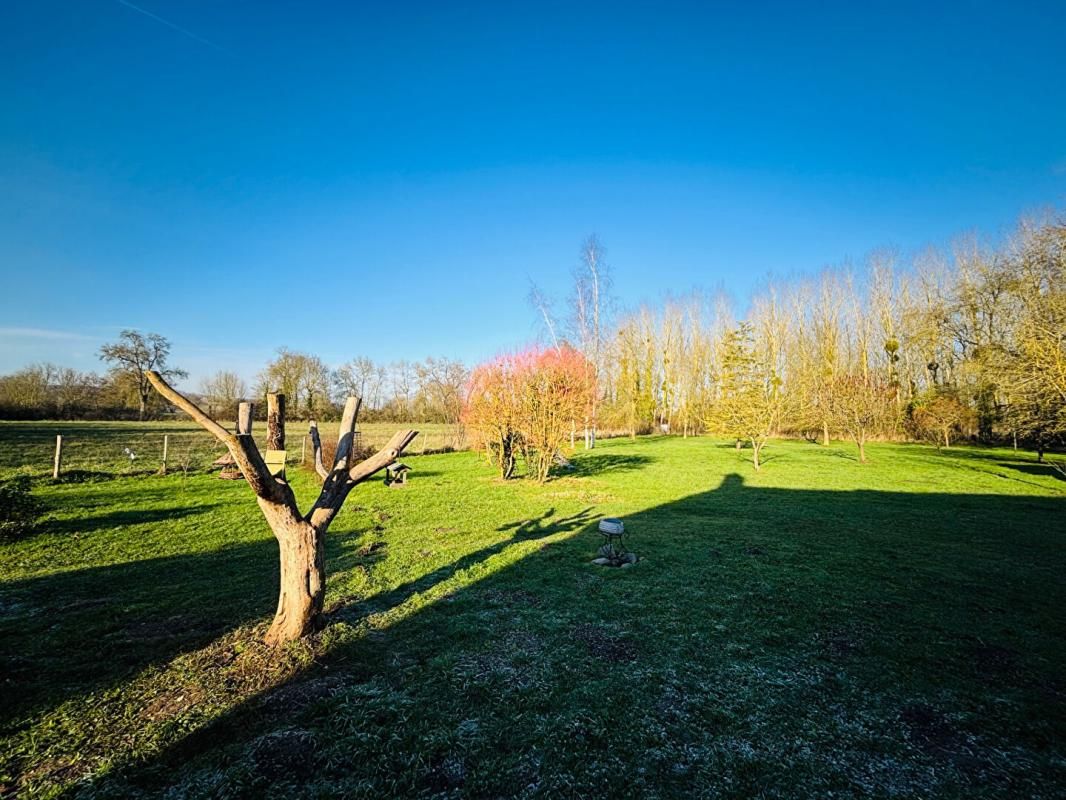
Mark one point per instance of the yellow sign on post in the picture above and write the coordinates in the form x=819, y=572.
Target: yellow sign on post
x=275, y=461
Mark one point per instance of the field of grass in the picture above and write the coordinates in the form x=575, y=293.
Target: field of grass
x=818, y=628
x=101, y=447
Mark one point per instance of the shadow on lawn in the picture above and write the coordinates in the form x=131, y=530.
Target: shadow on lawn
x=137, y=614
x=524, y=530
x=594, y=464
x=1042, y=469
x=117, y=519
x=905, y=593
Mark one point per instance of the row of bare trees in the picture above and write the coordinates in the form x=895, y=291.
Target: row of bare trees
x=965, y=343
x=50, y=391
x=428, y=391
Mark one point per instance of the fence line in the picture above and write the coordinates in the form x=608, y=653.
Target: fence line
x=86, y=451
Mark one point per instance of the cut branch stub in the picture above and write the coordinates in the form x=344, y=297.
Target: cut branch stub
x=346, y=433
x=244, y=419
x=275, y=421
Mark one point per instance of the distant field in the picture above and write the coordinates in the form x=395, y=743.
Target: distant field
x=817, y=629
x=101, y=446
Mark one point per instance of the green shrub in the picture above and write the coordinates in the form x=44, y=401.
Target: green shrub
x=18, y=509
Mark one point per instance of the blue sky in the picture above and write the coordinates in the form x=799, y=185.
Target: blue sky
x=383, y=179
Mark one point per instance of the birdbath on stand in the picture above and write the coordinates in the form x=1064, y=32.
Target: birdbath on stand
x=613, y=552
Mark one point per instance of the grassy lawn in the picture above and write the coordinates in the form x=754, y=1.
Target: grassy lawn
x=820, y=627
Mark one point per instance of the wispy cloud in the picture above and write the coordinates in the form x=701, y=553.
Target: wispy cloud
x=173, y=26
x=41, y=333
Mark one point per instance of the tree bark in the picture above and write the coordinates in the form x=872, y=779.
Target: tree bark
x=303, y=574
x=825, y=433
x=755, y=448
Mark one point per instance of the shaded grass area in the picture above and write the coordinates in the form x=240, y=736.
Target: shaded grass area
x=892, y=629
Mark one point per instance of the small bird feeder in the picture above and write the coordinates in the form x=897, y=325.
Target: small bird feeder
x=396, y=475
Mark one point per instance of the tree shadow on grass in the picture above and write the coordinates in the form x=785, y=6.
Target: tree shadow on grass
x=798, y=608
x=119, y=519
x=599, y=463
x=547, y=525
x=77, y=631
x=1042, y=470
x=534, y=529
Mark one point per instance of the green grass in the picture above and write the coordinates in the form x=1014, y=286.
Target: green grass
x=893, y=629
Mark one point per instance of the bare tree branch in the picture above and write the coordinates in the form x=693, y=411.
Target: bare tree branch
x=242, y=448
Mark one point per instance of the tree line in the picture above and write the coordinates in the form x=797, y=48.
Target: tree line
x=430, y=390
x=969, y=343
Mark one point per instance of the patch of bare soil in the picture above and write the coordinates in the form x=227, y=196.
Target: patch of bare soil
x=295, y=697
x=604, y=644
x=511, y=598
x=172, y=702
x=370, y=549
x=145, y=630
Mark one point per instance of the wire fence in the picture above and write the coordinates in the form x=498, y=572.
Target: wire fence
x=86, y=450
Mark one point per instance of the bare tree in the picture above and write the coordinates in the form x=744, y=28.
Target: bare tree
x=592, y=285
x=441, y=386
x=301, y=377
x=361, y=377
x=223, y=391
x=543, y=306
x=858, y=405
x=301, y=537
x=403, y=377
x=134, y=355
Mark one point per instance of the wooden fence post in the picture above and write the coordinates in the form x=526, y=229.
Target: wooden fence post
x=58, y=463
x=166, y=446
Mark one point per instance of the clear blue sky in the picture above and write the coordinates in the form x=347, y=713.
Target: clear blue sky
x=383, y=179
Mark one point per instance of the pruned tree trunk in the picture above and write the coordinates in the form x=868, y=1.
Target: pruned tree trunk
x=860, y=441
x=300, y=536
x=303, y=574
x=756, y=446
x=825, y=433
